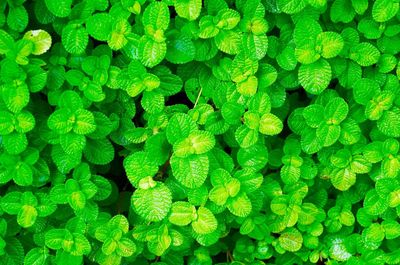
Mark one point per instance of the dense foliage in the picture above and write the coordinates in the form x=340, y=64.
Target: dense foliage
x=199, y=132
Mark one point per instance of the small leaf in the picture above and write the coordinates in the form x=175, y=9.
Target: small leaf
x=190, y=171
x=182, y=213
x=41, y=41
x=206, y=222
x=152, y=204
x=315, y=77
x=270, y=124
x=189, y=9
x=291, y=240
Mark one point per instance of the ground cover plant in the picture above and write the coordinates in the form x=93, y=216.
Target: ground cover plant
x=199, y=132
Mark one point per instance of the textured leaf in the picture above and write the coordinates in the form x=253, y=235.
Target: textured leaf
x=364, y=90
x=190, y=171
x=270, y=124
x=329, y=43
x=291, y=240
x=189, y=9
x=99, y=26
x=206, y=222
x=72, y=143
x=17, y=18
x=315, y=77
x=74, y=38
x=84, y=123
x=27, y=216
x=291, y=6
x=384, y=10
x=16, y=98
x=365, y=54
x=157, y=15
x=179, y=127
x=240, y=205
x=182, y=213
x=41, y=40
x=151, y=52
x=59, y=8
x=139, y=165
x=99, y=152
x=245, y=136
x=336, y=111
x=152, y=204
x=6, y=42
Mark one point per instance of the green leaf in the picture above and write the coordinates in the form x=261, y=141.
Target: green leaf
x=291, y=240
x=360, y=6
x=315, y=77
x=391, y=228
x=270, y=124
x=36, y=256
x=41, y=41
x=99, y=152
x=63, y=161
x=373, y=204
x=190, y=171
x=139, y=165
x=291, y=6
x=374, y=233
x=15, y=143
x=336, y=111
x=152, y=204
x=219, y=195
x=156, y=15
x=245, y=136
x=306, y=30
x=228, y=42
x=179, y=127
x=182, y=213
x=207, y=28
x=205, y=223
x=384, y=10
x=84, y=122
x=27, y=216
x=15, y=97
x=25, y=122
x=72, y=143
x=364, y=89
x=74, y=38
x=6, y=42
x=180, y=48
x=151, y=52
x=189, y=9
x=17, y=18
x=343, y=179
x=198, y=142
x=70, y=99
x=54, y=238
x=6, y=123
x=99, y=26
x=240, y=205
x=364, y=53
x=313, y=115
x=342, y=11
x=59, y=8
x=389, y=124
x=329, y=44
x=11, y=202
x=126, y=247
